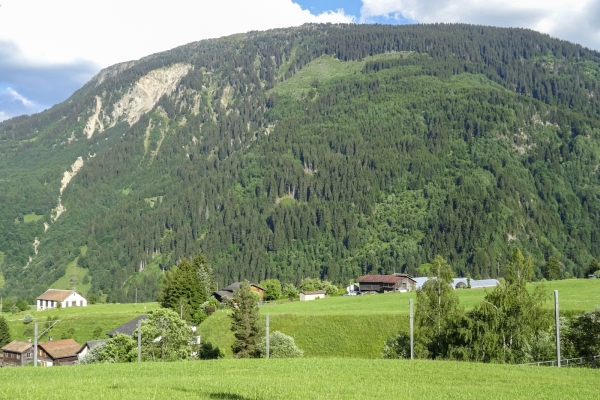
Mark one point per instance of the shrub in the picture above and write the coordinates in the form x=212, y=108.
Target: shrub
x=93, y=356
x=397, y=346
x=27, y=319
x=280, y=346
x=209, y=352
x=290, y=291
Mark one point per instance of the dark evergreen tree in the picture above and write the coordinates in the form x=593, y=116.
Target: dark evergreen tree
x=246, y=323
x=4, y=332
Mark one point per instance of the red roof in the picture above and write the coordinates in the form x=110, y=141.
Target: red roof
x=380, y=279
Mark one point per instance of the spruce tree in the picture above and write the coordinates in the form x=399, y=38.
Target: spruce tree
x=4, y=332
x=245, y=323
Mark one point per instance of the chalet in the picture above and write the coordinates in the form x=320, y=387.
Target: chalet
x=58, y=352
x=386, y=283
x=90, y=344
x=17, y=354
x=66, y=298
x=128, y=327
x=227, y=292
x=312, y=295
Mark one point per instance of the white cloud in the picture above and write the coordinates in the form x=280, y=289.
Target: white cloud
x=3, y=116
x=574, y=20
x=111, y=31
x=18, y=97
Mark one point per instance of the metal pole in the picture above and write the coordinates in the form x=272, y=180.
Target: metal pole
x=268, y=335
x=412, y=334
x=140, y=340
x=35, y=331
x=557, y=317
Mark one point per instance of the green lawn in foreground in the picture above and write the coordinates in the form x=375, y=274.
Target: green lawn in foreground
x=300, y=379
x=83, y=320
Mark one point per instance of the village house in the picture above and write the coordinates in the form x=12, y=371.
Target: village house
x=67, y=298
x=59, y=352
x=128, y=327
x=312, y=295
x=227, y=292
x=17, y=354
x=387, y=283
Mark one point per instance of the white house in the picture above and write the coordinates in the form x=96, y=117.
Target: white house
x=312, y=295
x=67, y=298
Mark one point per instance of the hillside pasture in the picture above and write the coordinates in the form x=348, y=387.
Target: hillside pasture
x=300, y=379
x=78, y=323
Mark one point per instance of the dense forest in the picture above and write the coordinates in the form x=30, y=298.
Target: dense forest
x=325, y=151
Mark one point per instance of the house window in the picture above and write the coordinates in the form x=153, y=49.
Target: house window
x=28, y=355
x=74, y=303
x=18, y=356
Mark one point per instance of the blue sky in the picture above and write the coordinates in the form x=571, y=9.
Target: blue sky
x=49, y=49
x=353, y=8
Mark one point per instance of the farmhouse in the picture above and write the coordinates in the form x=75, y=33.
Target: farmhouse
x=66, y=298
x=227, y=292
x=59, y=352
x=17, y=354
x=128, y=327
x=90, y=344
x=386, y=283
x=312, y=295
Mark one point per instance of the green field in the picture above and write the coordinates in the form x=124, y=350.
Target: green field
x=344, y=327
x=75, y=273
x=357, y=326
x=300, y=379
x=32, y=217
x=574, y=295
x=79, y=322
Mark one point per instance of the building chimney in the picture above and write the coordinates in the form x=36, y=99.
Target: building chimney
x=50, y=338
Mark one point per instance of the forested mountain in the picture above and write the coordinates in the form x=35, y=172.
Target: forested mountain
x=320, y=151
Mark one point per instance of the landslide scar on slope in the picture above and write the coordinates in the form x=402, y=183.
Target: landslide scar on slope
x=140, y=98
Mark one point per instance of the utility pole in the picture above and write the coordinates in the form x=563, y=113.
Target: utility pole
x=139, y=340
x=557, y=317
x=412, y=339
x=36, y=336
x=267, y=335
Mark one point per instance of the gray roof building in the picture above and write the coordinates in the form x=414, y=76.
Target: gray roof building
x=127, y=328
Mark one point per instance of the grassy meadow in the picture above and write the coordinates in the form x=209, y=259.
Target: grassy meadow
x=300, y=379
x=344, y=327
x=78, y=322
x=357, y=326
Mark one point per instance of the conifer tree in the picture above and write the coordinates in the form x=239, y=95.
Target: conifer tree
x=4, y=332
x=245, y=323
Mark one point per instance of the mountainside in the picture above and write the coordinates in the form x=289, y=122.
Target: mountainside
x=323, y=150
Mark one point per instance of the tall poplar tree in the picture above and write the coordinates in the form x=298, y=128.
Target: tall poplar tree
x=437, y=311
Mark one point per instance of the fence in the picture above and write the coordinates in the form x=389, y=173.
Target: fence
x=588, y=362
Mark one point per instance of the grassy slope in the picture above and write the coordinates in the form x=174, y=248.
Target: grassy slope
x=82, y=320
x=331, y=327
x=32, y=217
x=300, y=379
x=71, y=271
x=358, y=326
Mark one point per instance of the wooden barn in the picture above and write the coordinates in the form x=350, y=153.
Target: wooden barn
x=386, y=283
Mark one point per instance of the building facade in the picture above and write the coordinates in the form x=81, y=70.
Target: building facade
x=66, y=298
